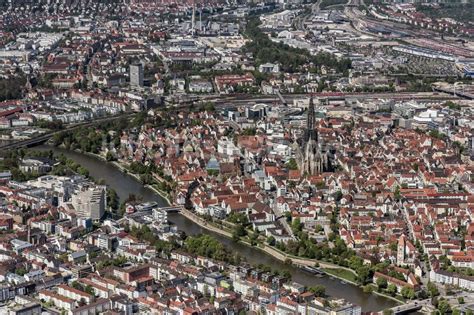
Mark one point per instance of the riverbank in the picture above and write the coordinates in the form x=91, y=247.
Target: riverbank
x=275, y=253
x=122, y=168
x=161, y=193
x=124, y=184
x=125, y=170
x=267, y=249
x=393, y=298
x=283, y=257
x=342, y=274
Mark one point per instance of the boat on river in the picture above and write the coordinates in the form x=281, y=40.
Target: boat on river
x=312, y=270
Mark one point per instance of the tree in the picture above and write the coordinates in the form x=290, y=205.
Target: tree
x=397, y=194
x=76, y=285
x=436, y=134
x=355, y=262
x=11, y=88
x=148, y=179
x=83, y=171
x=320, y=185
x=393, y=246
x=208, y=106
x=392, y=289
x=396, y=275
x=364, y=274
x=112, y=198
x=285, y=274
x=296, y=225
x=408, y=293
x=253, y=238
x=21, y=271
x=432, y=289
x=213, y=172
x=318, y=290
x=422, y=294
x=238, y=218
x=444, y=307
x=271, y=240
x=207, y=246
x=89, y=289
x=53, y=125
x=291, y=164
x=239, y=230
x=368, y=288
x=452, y=105
x=291, y=59
x=381, y=283
x=109, y=157
x=292, y=247
x=337, y=195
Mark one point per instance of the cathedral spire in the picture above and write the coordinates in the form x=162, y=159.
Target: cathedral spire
x=312, y=157
x=311, y=133
x=310, y=121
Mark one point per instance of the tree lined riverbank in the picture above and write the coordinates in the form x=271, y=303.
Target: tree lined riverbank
x=125, y=184
x=332, y=270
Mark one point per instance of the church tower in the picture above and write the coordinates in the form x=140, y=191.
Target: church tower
x=401, y=250
x=310, y=132
x=312, y=159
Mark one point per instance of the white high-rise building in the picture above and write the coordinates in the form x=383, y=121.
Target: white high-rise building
x=90, y=202
x=136, y=75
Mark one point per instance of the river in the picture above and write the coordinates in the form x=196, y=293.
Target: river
x=125, y=184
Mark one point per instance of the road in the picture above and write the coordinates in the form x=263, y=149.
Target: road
x=300, y=20
x=47, y=136
x=453, y=299
x=282, y=220
x=426, y=277
x=356, y=18
x=289, y=98
x=316, y=7
x=411, y=307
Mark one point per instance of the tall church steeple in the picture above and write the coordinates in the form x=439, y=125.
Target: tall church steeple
x=310, y=120
x=310, y=132
x=312, y=159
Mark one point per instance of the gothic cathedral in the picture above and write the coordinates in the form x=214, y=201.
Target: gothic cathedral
x=311, y=157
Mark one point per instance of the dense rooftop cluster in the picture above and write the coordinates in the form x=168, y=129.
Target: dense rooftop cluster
x=336, y=137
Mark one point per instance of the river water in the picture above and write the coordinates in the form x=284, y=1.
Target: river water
x=125, y=184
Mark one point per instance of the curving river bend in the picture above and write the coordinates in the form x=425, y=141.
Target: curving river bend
x=125, y=184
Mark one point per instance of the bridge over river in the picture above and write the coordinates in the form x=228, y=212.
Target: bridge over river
x=411, y=307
